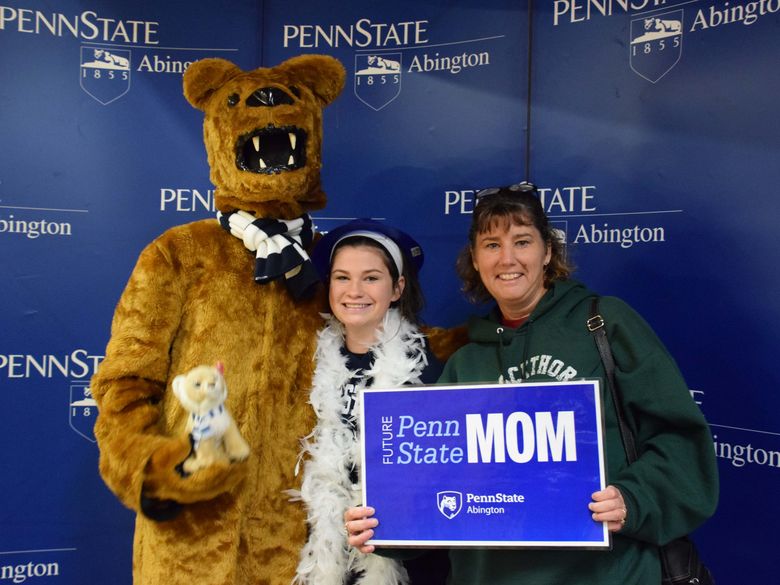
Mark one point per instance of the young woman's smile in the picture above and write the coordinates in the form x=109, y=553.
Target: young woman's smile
x=361, y=291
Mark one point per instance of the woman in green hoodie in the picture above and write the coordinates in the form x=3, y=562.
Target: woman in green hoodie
x=537, y=332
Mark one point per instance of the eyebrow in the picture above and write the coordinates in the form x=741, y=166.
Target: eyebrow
x=521, y=233
x=346, y=271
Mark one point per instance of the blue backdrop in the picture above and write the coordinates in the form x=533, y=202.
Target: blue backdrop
x=653, y=133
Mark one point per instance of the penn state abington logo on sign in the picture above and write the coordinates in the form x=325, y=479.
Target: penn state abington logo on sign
x=449, y=503
x=105, y=73
x=656, y=44
x=378, y=79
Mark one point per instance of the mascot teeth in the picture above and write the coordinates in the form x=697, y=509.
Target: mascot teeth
x=271, y=150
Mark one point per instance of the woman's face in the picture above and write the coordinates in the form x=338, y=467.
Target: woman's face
x=510, y=259
x=361, y=290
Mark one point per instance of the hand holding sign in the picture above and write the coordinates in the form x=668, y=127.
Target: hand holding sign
x=359, y=524
x=609, y=506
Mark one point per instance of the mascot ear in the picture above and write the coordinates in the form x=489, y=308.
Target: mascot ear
x=204, y=77
x=322, y=74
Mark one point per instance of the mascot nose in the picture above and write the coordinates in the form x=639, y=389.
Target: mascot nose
x=269, y=97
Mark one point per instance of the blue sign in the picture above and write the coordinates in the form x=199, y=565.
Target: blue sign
x=484, y=465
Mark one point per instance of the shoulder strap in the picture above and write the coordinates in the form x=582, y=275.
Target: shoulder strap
x=596, y=325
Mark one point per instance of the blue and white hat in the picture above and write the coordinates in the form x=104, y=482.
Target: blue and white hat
x=399, y=245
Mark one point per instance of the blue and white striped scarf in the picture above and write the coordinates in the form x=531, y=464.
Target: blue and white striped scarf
x=210, y=424
x=279, y=248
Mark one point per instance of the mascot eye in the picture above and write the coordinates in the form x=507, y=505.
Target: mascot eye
x=270, y=97
x=233, y=99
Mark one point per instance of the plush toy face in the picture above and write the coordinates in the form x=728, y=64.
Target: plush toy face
x=263, y=131
x=201, y=389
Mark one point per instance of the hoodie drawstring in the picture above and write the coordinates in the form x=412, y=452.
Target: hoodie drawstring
x=504, y=342
x=526, y=345
x=499, y=352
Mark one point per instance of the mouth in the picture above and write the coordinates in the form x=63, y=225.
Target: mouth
x=356, y=305
x=509, y=276
x=271, y=150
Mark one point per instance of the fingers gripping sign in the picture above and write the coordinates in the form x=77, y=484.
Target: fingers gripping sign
x=359, y=524
x=609, y=506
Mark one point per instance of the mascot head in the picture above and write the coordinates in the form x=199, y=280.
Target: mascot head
x=263, y=131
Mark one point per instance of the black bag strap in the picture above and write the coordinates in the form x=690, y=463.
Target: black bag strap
x=596, y=325
x=680, y=561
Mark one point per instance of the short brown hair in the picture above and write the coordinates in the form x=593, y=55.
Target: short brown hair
x=506, y=206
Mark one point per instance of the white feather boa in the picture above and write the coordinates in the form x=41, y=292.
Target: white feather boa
x=332, y=449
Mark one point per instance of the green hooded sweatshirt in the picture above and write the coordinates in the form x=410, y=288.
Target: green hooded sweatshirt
x=669, y=491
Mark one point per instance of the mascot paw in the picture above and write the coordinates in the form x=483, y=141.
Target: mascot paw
x=163, y=481
x=445, y=342
x=209, y=482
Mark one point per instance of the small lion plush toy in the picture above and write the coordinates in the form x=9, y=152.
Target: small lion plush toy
x=215, y=437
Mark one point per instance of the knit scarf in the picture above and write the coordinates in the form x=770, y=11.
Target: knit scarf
x=279, y=248
x=332, y=449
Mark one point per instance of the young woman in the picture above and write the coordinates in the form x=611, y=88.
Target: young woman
x=371, y=339
x=514, y=259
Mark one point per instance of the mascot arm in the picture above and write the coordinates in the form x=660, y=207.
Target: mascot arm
x=445, y=342
x=138, y=458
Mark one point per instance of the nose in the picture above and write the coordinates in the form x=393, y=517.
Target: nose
x=355, y=288
x=269, y=97
x=506, y=255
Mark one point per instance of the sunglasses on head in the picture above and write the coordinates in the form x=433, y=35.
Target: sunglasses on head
x=517, y=188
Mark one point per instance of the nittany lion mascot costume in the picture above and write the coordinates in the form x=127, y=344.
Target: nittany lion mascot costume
x=237, y=289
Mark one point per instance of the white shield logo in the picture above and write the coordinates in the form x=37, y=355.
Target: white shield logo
x=82, y=410
x=656, y=44
x=449, y=503
x=378, y=79
x=105, y=73
x=560, y=230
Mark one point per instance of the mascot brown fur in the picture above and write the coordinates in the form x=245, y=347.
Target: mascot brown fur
x=192, y=299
